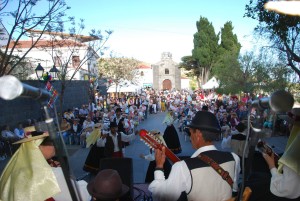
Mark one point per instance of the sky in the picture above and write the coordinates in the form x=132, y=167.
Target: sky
x=145, y=29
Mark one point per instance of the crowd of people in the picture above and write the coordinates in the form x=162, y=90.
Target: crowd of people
x=106, y=125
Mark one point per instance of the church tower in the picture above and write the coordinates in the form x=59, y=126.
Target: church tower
x=166, y=74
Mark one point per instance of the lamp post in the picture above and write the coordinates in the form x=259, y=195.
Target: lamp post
x=46, y=76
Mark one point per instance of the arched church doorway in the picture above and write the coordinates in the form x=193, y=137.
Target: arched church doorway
x=167, y=85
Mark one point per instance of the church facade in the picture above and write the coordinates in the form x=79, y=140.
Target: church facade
x=166, y=74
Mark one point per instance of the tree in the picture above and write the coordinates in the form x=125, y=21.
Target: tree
x=190, y=64
x=119, y=69
x=226, y=67
x=282, y=31
x=72, y=52
x=229, y=74
x=263, y=72
x=24, y=16
x=205, y=49
x=229, y=41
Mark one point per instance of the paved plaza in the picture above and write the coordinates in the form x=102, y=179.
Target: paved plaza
x=78, y=155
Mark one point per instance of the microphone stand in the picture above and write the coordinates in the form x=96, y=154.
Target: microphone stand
x=251, y=142
x=61, y=153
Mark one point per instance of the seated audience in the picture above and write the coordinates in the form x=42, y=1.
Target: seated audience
x=65, y=128
x=19, y=131
x=75, y=131
x=8, y=135
x=87, y=128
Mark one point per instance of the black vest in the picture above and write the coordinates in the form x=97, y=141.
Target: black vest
x=109, y=145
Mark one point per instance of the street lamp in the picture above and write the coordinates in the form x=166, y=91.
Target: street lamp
x=39, y=71
x=53, y=72
x=48, y=76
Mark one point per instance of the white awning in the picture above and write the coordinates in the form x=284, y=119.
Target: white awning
x=211, y=84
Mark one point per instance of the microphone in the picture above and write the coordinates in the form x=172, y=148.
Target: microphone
x=11, y=88
x=279, y=101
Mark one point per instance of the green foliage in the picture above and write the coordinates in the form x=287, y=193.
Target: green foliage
x=118, y=69
x=205, y=43
x=190, y=64
x=281, y=30
x=229, y=73
x=227, y=68
x=229, y=41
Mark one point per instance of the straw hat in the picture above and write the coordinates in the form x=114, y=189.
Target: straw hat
x=32, y=134
x=98, y=125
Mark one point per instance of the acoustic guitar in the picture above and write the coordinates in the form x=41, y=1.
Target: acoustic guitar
x=263, y=147
x=155, y=143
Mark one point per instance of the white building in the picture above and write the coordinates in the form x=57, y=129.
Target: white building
x=145, y=78
x=60, y=49
x=185, y=83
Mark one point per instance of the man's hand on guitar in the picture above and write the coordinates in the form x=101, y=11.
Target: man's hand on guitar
x=160, y=157
x=270, y=160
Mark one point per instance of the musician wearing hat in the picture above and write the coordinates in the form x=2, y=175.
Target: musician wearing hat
x=28, y=175
x=107, y=186
x=113, y=141
x=209, y=174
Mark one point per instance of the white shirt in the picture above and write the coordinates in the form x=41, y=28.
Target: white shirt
x=285, y=185
x=179, y=179
x=19, y=133
x=125, y=138
x=7, y=134
x=65, y=195
x=87, y=124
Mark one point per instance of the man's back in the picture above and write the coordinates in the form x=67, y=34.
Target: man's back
x=207, y=184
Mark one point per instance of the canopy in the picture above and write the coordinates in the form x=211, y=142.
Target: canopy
x=123, y=88
x=211, y=84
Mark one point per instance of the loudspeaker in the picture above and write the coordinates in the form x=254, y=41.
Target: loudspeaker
x=124, y=167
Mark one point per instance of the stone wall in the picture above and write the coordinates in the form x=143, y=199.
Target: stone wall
x=159, y=75
x=20, y=109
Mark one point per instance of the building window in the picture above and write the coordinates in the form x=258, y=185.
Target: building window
x=75, y=61
x=167, y=71
x=57, y=61
x=142, y=73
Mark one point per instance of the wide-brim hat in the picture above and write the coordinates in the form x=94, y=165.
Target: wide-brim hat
x=205, y=121
x=241, y=127
x=32, y=134
x=107, y=185
x=118, y=110
x=113, y=124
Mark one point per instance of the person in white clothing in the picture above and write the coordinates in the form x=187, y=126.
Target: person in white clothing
x=194, y=178
x=113, y=141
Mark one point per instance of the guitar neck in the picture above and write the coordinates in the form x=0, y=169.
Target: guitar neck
x=171, y=155
x=155, y=143
x=268, y=150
